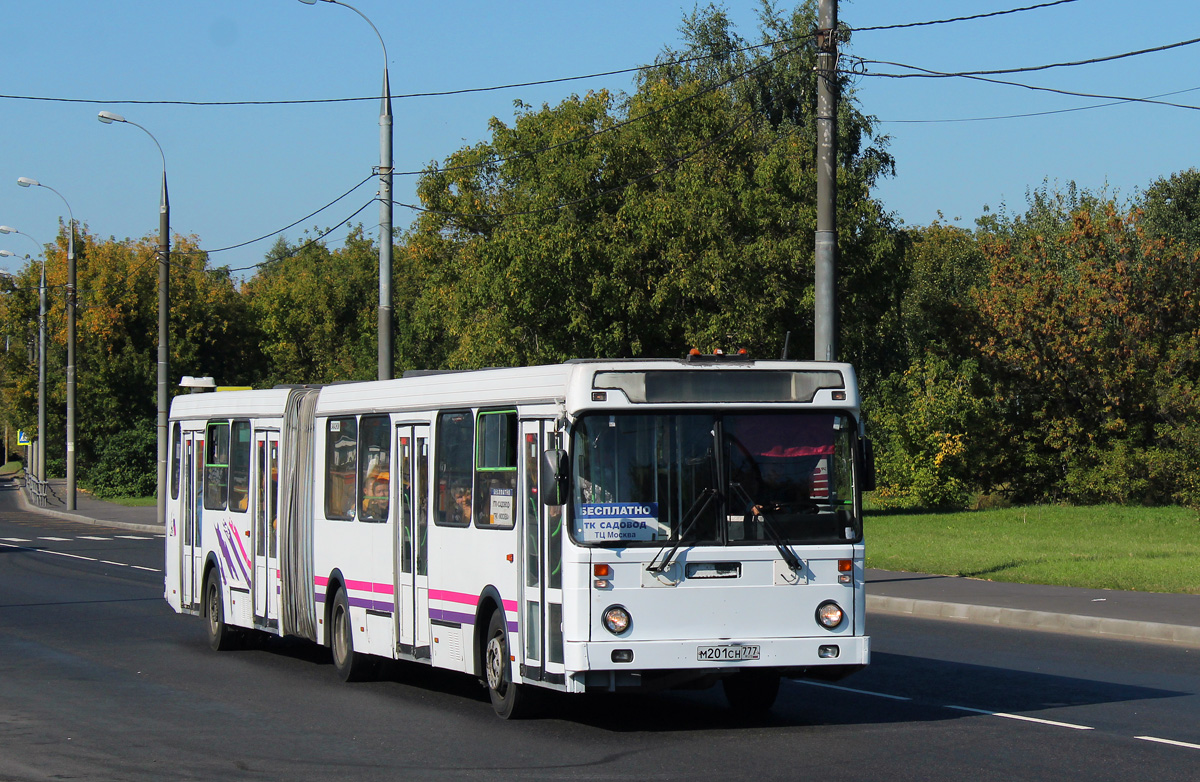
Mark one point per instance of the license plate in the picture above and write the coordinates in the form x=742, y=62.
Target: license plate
x=727, y=653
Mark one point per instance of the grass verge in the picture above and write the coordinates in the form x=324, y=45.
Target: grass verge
x=1103, y=546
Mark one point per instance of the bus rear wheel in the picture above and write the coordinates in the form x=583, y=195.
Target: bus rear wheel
x=751, y=692
x=351, y=666
x=509, y=699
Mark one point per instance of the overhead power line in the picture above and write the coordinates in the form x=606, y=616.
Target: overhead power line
x=960, y=18
x=1030, y=113
x=404, y=96
x=928, y=74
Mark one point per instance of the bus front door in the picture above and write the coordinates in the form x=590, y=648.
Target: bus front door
x=266, y=528
x=541, y=556
x=412, y=547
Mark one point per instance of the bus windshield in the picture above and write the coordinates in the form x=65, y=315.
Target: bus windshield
x=715, y=479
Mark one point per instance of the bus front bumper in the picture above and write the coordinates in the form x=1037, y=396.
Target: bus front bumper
x=718, y=654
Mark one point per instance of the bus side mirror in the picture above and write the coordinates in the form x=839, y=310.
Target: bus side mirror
x=554, y=481
x=867, y=466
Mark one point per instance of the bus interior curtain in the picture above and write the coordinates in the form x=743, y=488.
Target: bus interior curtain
x=297, y=605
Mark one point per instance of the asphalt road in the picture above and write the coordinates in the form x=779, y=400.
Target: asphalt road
x=99, y=680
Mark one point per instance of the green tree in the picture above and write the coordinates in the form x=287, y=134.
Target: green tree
x=315, y=311
x=1088, y=331
x=641, y=225
x=117, y=338
x=1172, y=207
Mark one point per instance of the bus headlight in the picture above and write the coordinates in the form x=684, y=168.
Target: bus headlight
x=616, y=619
x=830, y=614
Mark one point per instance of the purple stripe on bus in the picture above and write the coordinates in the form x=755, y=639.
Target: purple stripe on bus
x=512, y=627
x=225, y=554
x=451, y=616
x=320, y=596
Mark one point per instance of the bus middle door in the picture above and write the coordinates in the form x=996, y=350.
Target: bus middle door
x=412, y=541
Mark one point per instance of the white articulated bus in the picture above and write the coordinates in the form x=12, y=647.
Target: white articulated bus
x=588, y=526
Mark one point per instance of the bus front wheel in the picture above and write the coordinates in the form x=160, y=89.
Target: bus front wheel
x=509, y=699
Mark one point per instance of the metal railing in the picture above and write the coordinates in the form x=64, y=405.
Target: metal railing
x=36, y=490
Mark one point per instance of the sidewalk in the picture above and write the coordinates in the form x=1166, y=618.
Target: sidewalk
x=89, y=510
x=1142, y=616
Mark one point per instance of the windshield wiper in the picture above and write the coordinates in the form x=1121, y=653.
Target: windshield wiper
x=689, y=520
x=785, y=550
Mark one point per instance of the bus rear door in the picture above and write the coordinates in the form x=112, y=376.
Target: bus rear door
x=191, y=550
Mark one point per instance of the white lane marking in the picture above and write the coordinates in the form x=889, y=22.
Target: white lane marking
x=77, y=556
x=828, y=686
x=17, y=540
x=133, y=537
x=1169, y=741
x=92, y=537
x=57, y=540
x=1022, y=717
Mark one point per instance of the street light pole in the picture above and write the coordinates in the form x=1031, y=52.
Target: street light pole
x=164, y=311
x=386, y=363
x=70, y=304
x=40, y=451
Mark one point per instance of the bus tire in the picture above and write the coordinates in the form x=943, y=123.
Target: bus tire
x=351, y=666
x=509, y=699
x=751, y=692
x=221, y=637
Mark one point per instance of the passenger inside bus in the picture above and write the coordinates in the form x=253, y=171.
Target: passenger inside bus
x=375, y=497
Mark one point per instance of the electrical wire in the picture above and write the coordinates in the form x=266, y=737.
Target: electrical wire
x=289, y=225
x=615, y=126
x=1117, y=98
x=1028, y=114
x=960, y=18
x=928, y=74
x=405, y=96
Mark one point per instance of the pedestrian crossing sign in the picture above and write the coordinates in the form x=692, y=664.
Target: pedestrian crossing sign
x=22, y=437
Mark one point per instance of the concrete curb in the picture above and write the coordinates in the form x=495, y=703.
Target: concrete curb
x=58, y=514
x=1073, y=624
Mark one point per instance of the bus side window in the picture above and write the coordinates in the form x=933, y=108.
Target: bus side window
x=375, y=445
x=176, y=449
x=341, y=467
x=455, y=457
x=239, y=466
x=216, y=466
x=496, y=470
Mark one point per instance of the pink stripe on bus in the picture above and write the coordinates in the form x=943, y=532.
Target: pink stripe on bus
x=368, y=586
x=453, y=597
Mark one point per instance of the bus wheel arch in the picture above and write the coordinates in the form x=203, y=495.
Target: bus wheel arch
x=221, y=637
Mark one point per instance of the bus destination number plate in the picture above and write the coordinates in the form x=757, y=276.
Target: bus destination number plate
x=727, y=653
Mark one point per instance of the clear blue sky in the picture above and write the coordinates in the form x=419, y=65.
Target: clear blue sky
x=239, y=172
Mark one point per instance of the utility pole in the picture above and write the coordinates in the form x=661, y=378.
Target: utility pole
x=825, y=278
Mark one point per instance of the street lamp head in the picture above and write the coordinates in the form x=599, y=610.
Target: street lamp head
x=108, y=117
x=25, y=181
x=7, y=254
x=309, y=2
x=8, y=229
